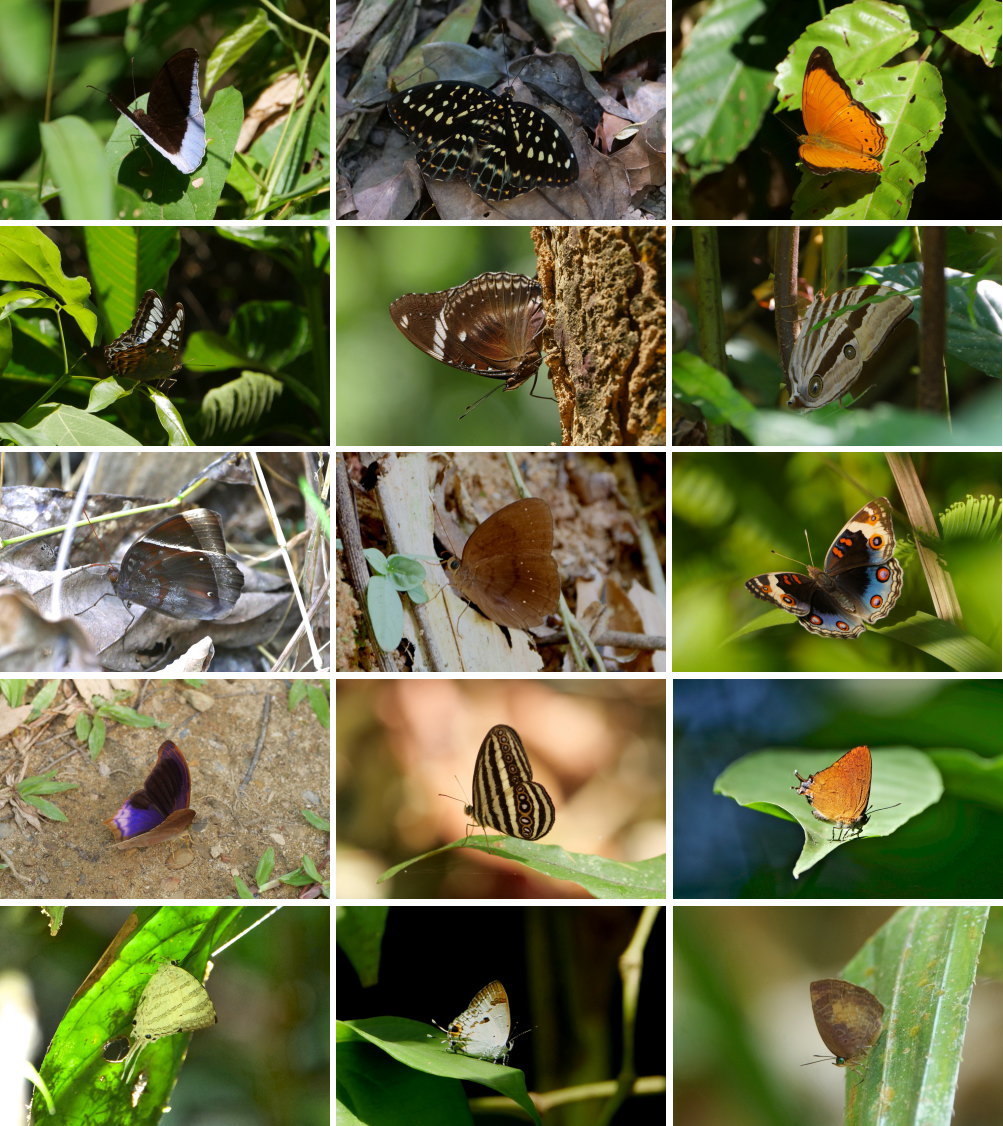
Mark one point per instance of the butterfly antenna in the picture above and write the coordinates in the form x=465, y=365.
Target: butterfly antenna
x=881, y=808
x=789, y=558
x=477, y=402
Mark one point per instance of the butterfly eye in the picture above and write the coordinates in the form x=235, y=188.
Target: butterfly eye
x=849, y=351
x=815, y=386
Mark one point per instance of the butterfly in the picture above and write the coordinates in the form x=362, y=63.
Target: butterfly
x=490, y=325
x=150, y=348
x=172, y=1001
x=505, y=796
x=173, y=122
x=841, y=135
x=507, y=569
x=159, y=809
x=827, y=361
x=859, y=583
x=482, y=1028
x=848, y=1018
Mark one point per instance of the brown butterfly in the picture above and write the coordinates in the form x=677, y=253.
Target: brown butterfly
x=506, y=568
x=828, y=358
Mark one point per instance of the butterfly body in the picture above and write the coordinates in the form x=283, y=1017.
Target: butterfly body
x=858, y=585
x=841, y=134
x=827, y=359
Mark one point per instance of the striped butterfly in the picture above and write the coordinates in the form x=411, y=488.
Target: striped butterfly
x=827, y=360
x=172, y=1001
x=505, y=796
x=482, y=1028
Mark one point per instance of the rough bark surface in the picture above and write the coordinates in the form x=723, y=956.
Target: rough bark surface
x=605, y=292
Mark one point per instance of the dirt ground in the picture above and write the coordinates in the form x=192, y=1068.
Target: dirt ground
x=218, y=726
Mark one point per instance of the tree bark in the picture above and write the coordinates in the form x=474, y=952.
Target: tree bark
x=604, y=290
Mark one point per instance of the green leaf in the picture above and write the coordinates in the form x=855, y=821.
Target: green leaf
x=376, y=560
x=43, y=698
x=416, y=1047
x=56, y=424
x=703, y=386
x=385, y=612
x=902, y=778
x=14, y=691
x=266, y=865
x=319, y=703
x=971, y=777
x=921, y=965
x=360, y=932
x=78, y=169
x=128, y=717
x=405, y=572
x=243, y=891
x=96, y=737
x=83, y=1085
x=605, y=879
x=316, y=822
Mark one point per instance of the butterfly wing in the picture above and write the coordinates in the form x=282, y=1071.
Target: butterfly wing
x=482, y=1028
x=505, y=796
x=185, y=553
x=859, y=583
x=827, y=359
x=787, y=589
x=173, y=121
x=507, y=569
x=841, y=135
x=839, y=794
x=151, y=346
x=818, y=608
x=859, y=564
x=490, y=325
x=868, y=538
x=159, y=809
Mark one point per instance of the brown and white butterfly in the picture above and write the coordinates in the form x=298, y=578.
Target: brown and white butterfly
x=828, y=358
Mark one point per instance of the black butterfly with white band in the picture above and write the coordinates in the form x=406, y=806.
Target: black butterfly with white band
x=173, y=122
x=150, y=349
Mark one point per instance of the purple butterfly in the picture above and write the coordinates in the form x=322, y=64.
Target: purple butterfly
x=159, y=809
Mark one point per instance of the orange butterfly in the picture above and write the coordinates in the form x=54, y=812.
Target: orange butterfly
x=841, y=134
